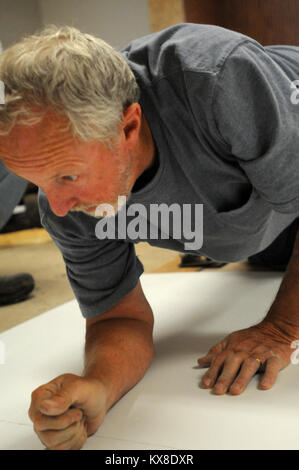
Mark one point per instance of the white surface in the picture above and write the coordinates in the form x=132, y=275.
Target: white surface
x=167, y=409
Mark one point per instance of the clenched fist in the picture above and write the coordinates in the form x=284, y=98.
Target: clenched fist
x=67, y=410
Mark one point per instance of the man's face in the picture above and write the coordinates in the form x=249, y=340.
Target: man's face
x=74, y=175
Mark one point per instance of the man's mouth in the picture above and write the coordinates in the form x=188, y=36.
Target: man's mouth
x=84, y=209
x=90, y=209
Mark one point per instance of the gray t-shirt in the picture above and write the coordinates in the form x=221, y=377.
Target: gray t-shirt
x=225, y=122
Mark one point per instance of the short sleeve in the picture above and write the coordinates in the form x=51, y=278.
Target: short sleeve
x=258, y=122
x=101, y=272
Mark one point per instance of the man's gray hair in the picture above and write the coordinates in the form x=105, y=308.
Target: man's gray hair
x=78, y=75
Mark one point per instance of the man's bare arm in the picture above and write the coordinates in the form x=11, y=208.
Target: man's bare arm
x=284, y=312
x=119, y=345
x=118, y=351
x=265, y=346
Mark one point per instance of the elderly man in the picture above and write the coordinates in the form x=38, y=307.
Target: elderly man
x=194, y=114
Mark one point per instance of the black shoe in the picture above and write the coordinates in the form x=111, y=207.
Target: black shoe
x=257, y=261
x=13, y=289
x=27, y=219
x=189, y=261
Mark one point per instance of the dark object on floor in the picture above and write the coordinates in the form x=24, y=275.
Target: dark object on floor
x=30, y=218
x=277, y=256
x=188, y=261
x=15, y=288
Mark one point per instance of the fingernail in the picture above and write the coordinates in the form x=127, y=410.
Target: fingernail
x=235, y=389
x=219, y=388
x=49, y=402
x=264, y=384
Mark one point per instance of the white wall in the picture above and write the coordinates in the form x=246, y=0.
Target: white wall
x=18, y=18
x=115, y=21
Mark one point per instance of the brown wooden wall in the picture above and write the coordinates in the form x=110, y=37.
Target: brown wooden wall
x=164, y=13
x=267, y=21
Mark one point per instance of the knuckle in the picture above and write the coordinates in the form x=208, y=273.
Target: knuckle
x=39, y=423
x=43, y=439
x=231, y=356
x=37, y=426
x=48, y=439
x=219, y=359
x=37, y=430
x=36, y=393
x=30, y=413
x=34, y=396
x=221, y=381
x=235, y=357
x=239, y=347
x=61, y=446
x=83, y=440
x=80, y=442
x=63, y=421
x=214, y=361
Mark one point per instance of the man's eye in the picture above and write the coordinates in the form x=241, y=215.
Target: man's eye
x=70, y=177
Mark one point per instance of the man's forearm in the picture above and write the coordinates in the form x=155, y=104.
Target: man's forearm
x=118, y=352
x=284, y=311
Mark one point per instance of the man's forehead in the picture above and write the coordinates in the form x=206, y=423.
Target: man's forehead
x=53, y=132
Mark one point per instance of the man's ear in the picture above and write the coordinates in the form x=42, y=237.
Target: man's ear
x=132, y=123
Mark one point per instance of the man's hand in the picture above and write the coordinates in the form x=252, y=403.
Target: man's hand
x=67, y=410
x=241, y=354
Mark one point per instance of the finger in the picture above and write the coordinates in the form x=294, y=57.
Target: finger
x=56, y=406
x=48, y=423
x=71, y=392
x=205, y=361
x=43, y=393
x=62, y=399
x=75, y=443
x=211, y=375
x=54, y=438
x=230, y=369
x=273, y=366
x=37, y=396
x=214, y=350
x=249, y=368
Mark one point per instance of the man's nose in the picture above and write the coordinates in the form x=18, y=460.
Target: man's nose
x=60, y=205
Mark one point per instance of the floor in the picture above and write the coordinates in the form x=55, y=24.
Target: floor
x=170, y=392
x=33, y=251
x=168, y=409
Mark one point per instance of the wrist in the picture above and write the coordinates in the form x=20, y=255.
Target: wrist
x=105, y=386
x=279, y=328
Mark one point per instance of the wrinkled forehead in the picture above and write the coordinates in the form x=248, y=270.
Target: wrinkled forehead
x=51, y=134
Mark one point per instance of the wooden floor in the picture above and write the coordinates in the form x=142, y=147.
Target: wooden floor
x=33, y=251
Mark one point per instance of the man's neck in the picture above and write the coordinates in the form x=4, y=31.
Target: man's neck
x=146, y=158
